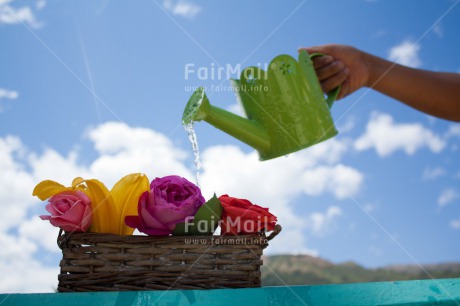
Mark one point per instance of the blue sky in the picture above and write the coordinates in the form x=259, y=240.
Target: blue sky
x=97, y=89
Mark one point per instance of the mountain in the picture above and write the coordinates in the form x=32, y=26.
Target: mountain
x=282, y=270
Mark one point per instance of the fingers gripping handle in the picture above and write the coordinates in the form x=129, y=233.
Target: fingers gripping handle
x=333, y=94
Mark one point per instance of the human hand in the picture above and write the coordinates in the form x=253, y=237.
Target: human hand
x=341, y=64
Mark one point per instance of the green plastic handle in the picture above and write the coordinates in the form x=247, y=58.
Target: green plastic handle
x=333, y=94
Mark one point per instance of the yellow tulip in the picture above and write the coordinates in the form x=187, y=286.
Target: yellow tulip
x=109, y=208
x=126, y=193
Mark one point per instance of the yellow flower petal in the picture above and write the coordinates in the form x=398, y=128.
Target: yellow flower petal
x=103, y=207
x=77, y=181
x=125, y=194
x=46, y=189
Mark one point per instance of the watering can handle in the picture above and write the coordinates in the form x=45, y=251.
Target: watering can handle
x=332, y=95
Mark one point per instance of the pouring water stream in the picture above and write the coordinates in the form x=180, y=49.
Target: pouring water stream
x=196, y=151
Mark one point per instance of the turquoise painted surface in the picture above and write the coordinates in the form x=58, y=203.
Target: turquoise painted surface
x=421, y=292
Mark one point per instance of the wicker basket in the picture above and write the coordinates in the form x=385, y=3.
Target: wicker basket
x=103, y=262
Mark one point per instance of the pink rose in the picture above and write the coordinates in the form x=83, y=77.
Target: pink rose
x=171, y=200
x=70, y=210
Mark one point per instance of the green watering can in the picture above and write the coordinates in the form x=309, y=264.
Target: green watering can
x=285, y=107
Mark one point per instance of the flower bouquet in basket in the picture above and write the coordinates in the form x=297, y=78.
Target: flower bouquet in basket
x=179, y=250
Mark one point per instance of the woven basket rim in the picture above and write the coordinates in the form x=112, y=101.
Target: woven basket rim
x=64, y=236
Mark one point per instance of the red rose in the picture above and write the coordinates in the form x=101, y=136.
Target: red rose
x=242, y=217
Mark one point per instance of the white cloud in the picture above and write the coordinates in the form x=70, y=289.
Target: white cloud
x=375, y=251
x=15, y=247
x=40, y=4
x=21, y=272
x=25, y=273
x=455, y=224
x=433, y=173
x=236, y=108
x=379, y=33
x=12, y=15
x=438, y=30
x=16, y=183
x=293, y=240
x=35, y=229
x=183, y=8
x=406, y=54
x=27, y=276
x=447, y=196
x=340, y=180
x=313, y=172
x=386, y=137
x=123, y=149
x=322, y=223
x=368, y=208
x=348, y=125
x=7, y=94
x=454, y=131
x=53, y=166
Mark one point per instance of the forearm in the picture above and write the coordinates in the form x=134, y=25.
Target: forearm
x=435, y=93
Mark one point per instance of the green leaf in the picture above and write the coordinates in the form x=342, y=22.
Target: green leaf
x=205, y=221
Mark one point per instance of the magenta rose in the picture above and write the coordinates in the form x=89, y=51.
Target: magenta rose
x=171, y=200
x=70, y=210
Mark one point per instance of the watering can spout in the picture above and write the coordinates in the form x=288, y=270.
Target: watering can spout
x=248, y=131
